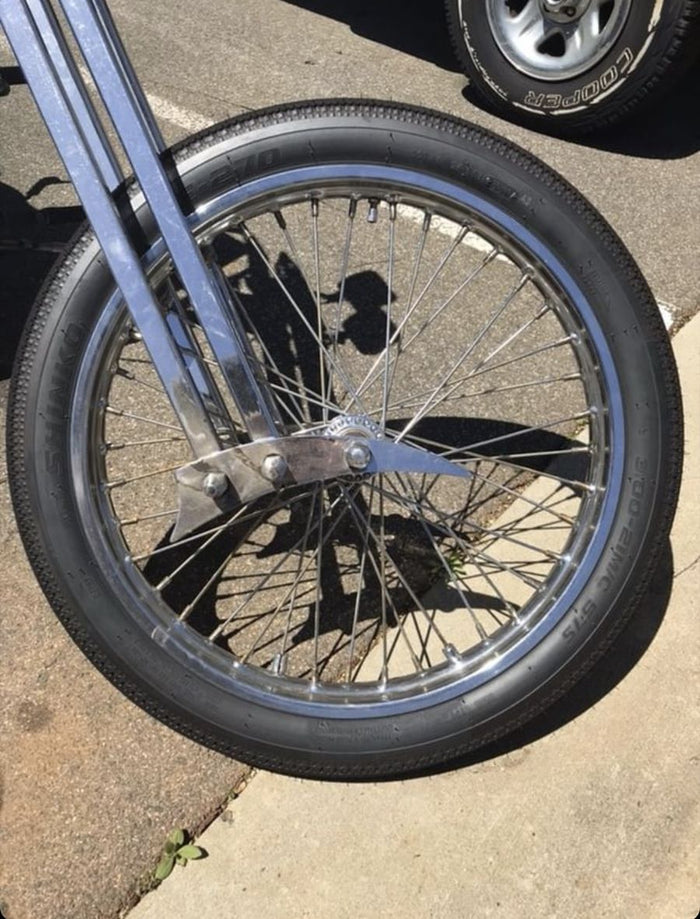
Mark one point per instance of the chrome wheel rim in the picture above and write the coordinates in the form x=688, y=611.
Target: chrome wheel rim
x=476, y=240
x=556, y=39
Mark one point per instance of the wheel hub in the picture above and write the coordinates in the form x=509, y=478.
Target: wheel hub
x=353, y=426
x=358, y=429
x=564, y=11
x=556, y=40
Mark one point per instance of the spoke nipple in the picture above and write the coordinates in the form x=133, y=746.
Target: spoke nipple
x=358, y=455
x=278, y=665
x=451, y=653
x=274, y=468
x=214, y=484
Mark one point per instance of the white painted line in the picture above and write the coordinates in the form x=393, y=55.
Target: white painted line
x=667, y=313
x=168, y=111
x=474, y=241
x=452, y=230
x=182, y=117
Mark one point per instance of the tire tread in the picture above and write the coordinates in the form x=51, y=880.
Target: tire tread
x=679, y=53
x=29, y=351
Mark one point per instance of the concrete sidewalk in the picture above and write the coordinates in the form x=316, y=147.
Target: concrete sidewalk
x=600, y=818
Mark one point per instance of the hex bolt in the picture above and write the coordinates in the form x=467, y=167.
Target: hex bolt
x=274, y=468
x=214, y=485
x=358, y=455
x=567, y=8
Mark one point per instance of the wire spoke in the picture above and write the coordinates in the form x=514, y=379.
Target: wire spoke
x=387, y=336
x=313, y=332
x=157, y=516
x=469, y=456
x=121, y=413
x=264, y=580
x=269, y=509
x=363, y=524
x=448, y=571
x=345, y=261
x=292, y=592
x=387, y=555
x=168, y=579
x=525, y=384
x=271, y=363
x=364, y=536
x=542, y=349
x=120, y=483
x=444, y=527
x=433, y=401
x=322, y=351
x=371, y=377
x=123, y=445
x=404, y=346
x=137, y=381
x=364, y=385
x=452, y=339
x=470, y=448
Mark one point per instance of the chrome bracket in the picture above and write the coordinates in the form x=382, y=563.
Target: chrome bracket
x=264, y=466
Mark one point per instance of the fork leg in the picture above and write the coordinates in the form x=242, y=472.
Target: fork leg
x=64, y=104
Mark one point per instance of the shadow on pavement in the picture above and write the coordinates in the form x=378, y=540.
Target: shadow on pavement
x=415, y=27
x=30, y=240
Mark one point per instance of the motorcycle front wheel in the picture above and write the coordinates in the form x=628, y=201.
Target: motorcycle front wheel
x=414, y=278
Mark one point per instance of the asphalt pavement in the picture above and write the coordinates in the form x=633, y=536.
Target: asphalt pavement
x=598, y=817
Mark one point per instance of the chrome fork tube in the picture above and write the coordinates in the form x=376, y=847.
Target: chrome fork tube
x=40, y=48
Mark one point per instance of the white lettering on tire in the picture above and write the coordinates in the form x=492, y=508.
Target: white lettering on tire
x=588, y=93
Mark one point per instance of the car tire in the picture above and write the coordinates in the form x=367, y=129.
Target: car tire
x=529, y=64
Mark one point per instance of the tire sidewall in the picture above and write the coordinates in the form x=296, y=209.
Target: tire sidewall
x=144, y=669
x=610, y=82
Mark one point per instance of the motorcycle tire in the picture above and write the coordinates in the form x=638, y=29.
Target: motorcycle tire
x=410, y=276
x=570, y=68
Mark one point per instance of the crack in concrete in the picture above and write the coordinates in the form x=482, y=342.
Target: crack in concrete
x=687, y=567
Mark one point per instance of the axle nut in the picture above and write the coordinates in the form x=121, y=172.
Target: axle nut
x=358, y=455
x=214, y=484
x=274, y=468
